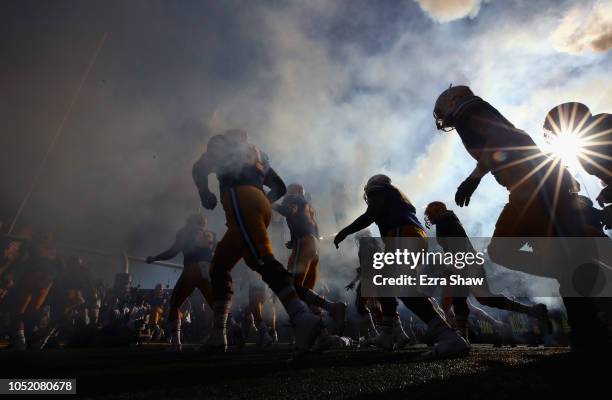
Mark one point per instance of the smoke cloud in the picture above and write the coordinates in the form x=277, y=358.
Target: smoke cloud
x=585, y=29
x=334, y=92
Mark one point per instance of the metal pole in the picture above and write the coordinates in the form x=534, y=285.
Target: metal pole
x=126, y=264
x=102, y=253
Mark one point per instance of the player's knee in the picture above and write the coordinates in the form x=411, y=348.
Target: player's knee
x=218, y=276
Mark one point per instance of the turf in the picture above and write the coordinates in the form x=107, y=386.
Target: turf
x=153, y=373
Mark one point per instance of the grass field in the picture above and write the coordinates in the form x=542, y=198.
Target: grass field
x=153, y=373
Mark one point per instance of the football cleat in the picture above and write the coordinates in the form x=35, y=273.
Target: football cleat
x=216, y=342
x=447, y=341
x=251, y=329
x=326, y=341
x=306, y=329
x=174, y=348
x=263, y=338
x=451, y=344
x=400, y=337
x=237, y=335
x=384, y=340
x=19, y=344
x=367, y=329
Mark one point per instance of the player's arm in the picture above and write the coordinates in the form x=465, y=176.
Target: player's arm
x=276, y=185
x=487, y=130
x=468, y=186
x=363, y=221
x=479, y=171
x=168, y=254
x=213, y=243
x=286, y=208
x=200, y=171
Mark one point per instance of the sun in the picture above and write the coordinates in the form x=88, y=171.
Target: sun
x=567, y=146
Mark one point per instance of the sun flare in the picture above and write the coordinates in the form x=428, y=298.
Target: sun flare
x=567, y=146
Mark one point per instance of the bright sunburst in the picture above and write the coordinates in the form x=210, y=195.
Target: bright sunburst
x=567, y=146
x=565, y=130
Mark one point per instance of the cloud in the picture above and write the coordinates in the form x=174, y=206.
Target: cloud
x=450, y=10
x=585, y=29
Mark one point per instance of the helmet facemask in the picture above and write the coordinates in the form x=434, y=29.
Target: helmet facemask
x=446, y=105
x=428, y=223
x=441, y=124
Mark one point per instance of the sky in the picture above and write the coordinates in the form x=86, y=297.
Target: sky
x=333, y=91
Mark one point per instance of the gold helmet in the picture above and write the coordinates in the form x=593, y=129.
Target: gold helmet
x=447, y=103
x=433, y=212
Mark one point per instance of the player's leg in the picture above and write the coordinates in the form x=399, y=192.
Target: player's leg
x=258, y=300
x=40, y=296
x=203, y=282
x=391, y=331
x=521, y=219
x=462, y=312
x=250, y=212
x=447, y=342
x=273, y=331
x=182, y=289
x=23, y=300
x=367, y=328
x=306, y=267
x=539, y=311
x=227, y=253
